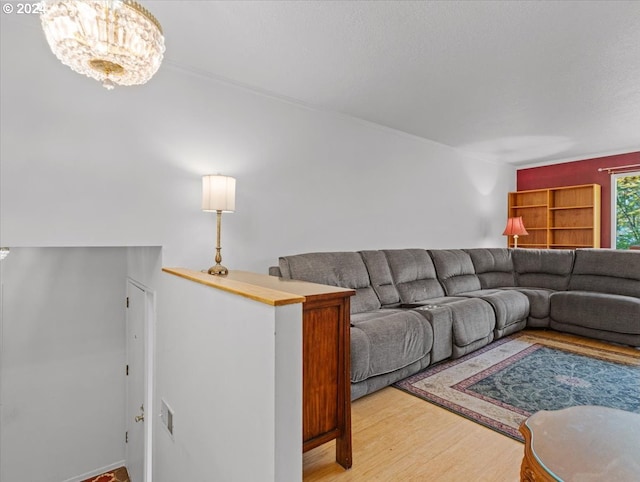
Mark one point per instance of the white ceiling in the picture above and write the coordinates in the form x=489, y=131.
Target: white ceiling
x=522, y=82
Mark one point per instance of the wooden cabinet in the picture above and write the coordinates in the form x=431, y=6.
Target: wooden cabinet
x=326, y=383
x=563, y=217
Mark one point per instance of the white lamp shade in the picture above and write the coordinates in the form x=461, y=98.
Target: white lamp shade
x=218, y=193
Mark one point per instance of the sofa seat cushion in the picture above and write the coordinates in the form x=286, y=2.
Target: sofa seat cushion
x=371, y=315
x=511, y=309
x=597, y=311
x=442, y=300
x=539, y=305
x=479, y=293
x=539, y=301
x=460, y=327
x=382, y=344
x=473, y=320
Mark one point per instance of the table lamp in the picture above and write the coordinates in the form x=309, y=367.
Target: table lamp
x=218, y=195
x=515, y=228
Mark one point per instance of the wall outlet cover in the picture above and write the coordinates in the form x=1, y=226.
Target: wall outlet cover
x=166, y=415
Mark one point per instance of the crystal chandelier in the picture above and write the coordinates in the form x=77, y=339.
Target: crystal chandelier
x=113, y=41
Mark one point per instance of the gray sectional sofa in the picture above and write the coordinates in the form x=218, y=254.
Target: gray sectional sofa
x=417, y=307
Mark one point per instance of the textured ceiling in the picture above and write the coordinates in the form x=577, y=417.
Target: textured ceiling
x=522, y=82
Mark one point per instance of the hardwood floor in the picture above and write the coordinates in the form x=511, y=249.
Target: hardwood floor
x=398, y=437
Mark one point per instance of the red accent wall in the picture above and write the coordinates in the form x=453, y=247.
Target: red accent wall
x=576, y=173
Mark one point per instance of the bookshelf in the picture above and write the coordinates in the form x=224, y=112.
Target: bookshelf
x=562, y=218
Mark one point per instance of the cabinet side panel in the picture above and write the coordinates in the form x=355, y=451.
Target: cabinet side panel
x=321, y=334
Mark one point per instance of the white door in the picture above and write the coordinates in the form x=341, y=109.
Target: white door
x=136, y=321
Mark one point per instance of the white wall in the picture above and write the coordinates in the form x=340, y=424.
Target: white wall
x=224, y=373
x=81, y=166
x=62, y=362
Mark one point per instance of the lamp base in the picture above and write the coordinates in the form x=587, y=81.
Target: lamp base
x=218, y=270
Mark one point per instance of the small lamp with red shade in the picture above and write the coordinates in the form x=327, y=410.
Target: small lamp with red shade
x=515, y=228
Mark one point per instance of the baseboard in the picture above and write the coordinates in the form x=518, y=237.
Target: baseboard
x=96, y=472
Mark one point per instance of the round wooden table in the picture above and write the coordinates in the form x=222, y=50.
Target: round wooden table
x=583, y=443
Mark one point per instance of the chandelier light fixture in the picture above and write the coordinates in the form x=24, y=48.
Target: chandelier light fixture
x=117, y=42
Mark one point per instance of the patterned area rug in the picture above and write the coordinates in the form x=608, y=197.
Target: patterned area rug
x=502, y=384
x=118, y=475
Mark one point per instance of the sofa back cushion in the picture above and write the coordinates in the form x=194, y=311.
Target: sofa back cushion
x=607, y=271
x=455, y=271
x=543, y=268
x=413, y=274
x=344, y=269
x=494, y=267
x=380, y=276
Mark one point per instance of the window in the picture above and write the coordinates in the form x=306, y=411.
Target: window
x=625, y=209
